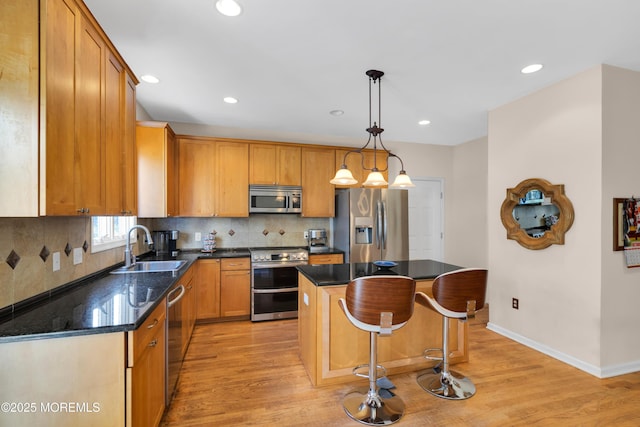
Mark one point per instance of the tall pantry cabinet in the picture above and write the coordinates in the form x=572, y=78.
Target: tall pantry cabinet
x=86, y=97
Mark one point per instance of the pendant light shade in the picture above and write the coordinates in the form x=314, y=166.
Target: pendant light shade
x=402, y=181
x=343, y=177
x=375, y=178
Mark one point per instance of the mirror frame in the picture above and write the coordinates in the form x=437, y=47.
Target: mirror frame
x=554, y=236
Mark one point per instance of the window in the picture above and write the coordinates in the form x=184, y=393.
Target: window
x=109, y=232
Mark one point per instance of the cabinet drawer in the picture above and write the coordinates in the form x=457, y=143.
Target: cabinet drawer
x=235, y=264
x=144, y=336
x=326, y=259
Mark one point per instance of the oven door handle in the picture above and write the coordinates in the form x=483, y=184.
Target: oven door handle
x=274, y=291
x=274, y=265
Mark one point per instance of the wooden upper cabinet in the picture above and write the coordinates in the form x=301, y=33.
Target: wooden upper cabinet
x=196, y=177
x=318, y=194
x=156, y=165
x=19, y=118
x=272, y=164
x=130, y=190
x=213, y=177
x=120, y=126
x=232, y=175
x=354, y=162
x=57, y=184
x=84, y=108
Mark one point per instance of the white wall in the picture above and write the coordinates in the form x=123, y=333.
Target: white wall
x=467, y=231
x=621, y=178
x=569, y=304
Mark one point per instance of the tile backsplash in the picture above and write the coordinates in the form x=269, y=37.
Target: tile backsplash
x=33, y=241
x=29, y=245
x=255, y=231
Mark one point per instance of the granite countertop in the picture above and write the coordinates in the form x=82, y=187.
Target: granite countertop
x=340, y=274
x=100, y=303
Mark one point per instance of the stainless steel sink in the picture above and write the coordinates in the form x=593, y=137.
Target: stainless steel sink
x=151, y=267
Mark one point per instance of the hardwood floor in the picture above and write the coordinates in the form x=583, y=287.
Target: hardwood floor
x=244, y=373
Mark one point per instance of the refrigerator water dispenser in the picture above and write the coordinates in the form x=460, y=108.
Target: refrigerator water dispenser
x=364, y=230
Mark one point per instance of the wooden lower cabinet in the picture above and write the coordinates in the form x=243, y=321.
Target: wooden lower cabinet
x=208, y=289
x=189, y=308
x=146, y=373
x=326, y=258
x=235, y=287
x=223, y=289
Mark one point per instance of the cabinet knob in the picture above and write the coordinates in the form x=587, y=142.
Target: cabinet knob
x=151, y=326
x=153, y=343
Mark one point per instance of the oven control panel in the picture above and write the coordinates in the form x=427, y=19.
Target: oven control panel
x=280, y=256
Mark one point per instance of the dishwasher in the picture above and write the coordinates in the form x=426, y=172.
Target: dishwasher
x=174, y=339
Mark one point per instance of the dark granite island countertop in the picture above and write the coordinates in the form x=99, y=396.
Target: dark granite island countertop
x=339, y=274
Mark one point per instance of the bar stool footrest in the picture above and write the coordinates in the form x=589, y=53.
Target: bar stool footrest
x=381, y=370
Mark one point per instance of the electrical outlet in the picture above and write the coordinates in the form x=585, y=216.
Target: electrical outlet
x=56, y=261
x=77, y=256
x=198, y=236
x=306, y=234
x=515, y=303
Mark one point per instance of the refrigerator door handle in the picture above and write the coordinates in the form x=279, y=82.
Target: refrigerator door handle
x=378, y=224
x=384, y=225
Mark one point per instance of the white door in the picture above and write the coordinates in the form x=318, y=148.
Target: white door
x=426, y=228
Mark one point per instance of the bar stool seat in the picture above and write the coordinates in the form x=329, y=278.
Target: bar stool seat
x=456, y=295
x=378, y=305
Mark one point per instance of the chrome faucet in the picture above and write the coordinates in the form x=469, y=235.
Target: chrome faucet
x=129, y=258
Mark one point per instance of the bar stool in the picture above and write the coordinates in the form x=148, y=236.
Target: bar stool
x=378, y=305
x=456, y=295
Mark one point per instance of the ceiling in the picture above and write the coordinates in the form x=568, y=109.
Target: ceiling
x=290, y=62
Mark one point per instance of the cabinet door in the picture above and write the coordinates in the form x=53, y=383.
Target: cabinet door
x=148, y=372
x=156, y=172
x=235, y=293
x=196, y=177
x=130, y=196
x=318, y=194
x=208, y=289
x=19, y=117
x=262, y=161
x=114, y=137
x=289, y=165
x=57, y=184
x=89, y=145
x=232, y=171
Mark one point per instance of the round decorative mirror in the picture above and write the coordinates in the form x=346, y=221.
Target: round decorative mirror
x=537, y=214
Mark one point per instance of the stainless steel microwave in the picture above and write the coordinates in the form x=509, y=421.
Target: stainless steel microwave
x=275, y=199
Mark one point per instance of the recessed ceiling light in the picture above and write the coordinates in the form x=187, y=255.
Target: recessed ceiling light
x=336, y=112
x=228, y=7
x=230, y=100
x=531, y=68
x=149, y=78
x=424, y=122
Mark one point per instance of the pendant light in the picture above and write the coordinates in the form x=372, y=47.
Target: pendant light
x=375, y=177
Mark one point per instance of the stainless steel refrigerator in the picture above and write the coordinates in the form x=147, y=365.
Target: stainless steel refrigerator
x=372, y=224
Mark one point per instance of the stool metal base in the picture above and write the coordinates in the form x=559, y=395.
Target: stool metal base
x=447, y=385
x=370, y=408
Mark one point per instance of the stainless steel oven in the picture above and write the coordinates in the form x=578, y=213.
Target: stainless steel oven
x=274, y=282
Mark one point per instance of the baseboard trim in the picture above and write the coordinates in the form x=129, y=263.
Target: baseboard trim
x=600, y=372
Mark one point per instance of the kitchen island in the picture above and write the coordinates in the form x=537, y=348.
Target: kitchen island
x=330, y=347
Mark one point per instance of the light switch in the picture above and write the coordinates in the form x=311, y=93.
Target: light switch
x=56, y=261
x=77, y=256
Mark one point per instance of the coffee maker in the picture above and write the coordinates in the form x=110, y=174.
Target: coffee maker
x=165, y=242
x=317, y=240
